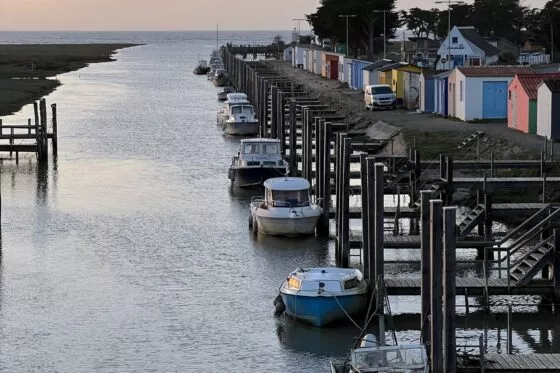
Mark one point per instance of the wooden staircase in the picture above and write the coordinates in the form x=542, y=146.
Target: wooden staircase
x=470, y=221
x=470, y=139
x=433, y=188
x=524, y=269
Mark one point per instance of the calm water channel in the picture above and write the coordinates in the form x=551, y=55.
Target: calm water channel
x=131, y=253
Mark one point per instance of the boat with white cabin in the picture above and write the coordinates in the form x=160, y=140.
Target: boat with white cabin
x=321, y=296
x=237, y=116
x=202, y=68
x=286, y=209
x=220, y=78
x=369, y=357
x=257, y=160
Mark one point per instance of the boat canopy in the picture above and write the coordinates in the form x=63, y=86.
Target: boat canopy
x=260, y=146
x=329, y=279
x=287, y=183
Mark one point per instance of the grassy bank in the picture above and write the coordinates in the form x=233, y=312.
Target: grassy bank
x=25, y=69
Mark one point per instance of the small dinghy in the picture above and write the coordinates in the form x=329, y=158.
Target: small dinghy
x=369, y=357
x=321, y=296
x=222, y=96
x=286, y=209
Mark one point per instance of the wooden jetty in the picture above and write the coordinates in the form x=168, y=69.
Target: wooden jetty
x=322, y=148
x=33, y=137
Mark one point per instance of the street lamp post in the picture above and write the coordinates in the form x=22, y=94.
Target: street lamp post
x=347, y=16
x=449, y=2
x=384, y=11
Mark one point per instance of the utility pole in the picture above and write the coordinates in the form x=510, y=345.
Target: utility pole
x=347, y=16
x=384, y=11
x=298, y=26
x=449, y=2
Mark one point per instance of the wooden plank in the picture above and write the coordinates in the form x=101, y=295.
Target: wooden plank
x=528, y=360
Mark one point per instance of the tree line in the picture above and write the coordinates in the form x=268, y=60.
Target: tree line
x=508, y=19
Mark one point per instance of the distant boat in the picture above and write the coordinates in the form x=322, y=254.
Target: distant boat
x=202, y=68
x=220, y=78
x=321, y=296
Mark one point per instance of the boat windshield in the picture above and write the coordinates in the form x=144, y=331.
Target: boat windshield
x=290, y=198
x=271, y=149
x=398, y=360
x=241, y=110
x=251, y=148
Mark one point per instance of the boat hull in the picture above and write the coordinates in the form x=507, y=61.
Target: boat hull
x=286, y=226
x=245, y=177
x=241, y=128
x=324, y=309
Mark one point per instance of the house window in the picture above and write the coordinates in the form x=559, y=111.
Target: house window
x=475, y=61
x=461, y=91
x=510, y=95
x=454, y=39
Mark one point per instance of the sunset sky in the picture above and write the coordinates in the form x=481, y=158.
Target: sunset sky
x=166, y=14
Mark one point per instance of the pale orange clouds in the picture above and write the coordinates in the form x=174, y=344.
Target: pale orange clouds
x=164, y=14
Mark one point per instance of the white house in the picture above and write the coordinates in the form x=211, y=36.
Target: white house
x=548, y=109
x=465, y=47
x=288, y=53
x=297, y=57
x=481, y=92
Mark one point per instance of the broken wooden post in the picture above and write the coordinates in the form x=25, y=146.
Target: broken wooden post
x=436, y=319
x=449, y=289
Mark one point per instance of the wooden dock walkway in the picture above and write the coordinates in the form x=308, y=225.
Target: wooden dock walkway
x=472, y=287
x=498, y=209
x=519, y=363
x=413, y=241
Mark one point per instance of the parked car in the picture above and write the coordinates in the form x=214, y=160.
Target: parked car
x=379, y=96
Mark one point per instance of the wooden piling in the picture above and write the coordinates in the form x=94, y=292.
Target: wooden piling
x=273, y=111
x=368, y=213
x=449, y=180
x=379, y=218
x=556, y=266
x=436, y=319
x=281, y=122
x=425, y=260
x=347, y=146
x=509, y=331
x=364, y=201
x=449, y=289
x=293, y=137
x=54, y=129
x=323, y=229
x=338, y=193
x=442, y=166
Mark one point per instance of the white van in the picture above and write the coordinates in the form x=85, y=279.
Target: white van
x=379, y=96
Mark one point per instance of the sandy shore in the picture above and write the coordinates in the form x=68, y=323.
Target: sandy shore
x=25, y=69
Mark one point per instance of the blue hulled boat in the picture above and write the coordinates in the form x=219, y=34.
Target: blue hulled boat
x=323, y=295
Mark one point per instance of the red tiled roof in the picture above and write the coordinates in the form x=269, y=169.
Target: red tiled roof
x=497, y=71
x=531, y=82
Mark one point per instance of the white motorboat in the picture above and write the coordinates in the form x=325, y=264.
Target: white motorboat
x=220, y=78
x=369, y=357
x=286, y=209
x=321, y=296
x=237, y=116
x=257, y=160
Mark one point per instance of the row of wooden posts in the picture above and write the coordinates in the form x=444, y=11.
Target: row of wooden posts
x=37, y=131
